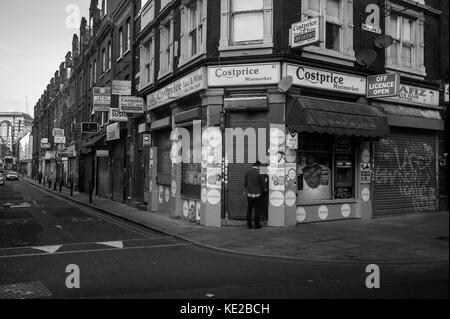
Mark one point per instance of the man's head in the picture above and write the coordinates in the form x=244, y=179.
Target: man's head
x=257, y=164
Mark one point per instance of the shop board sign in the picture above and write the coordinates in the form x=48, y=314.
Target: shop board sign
x=102, y=99
x=58, y=132
x=115, y=115
x=131, y=104
x=60, y=140
x=244, y=74
x=102, y=153
x=383, y=85
x=121, y=88
x=113, y=132
x=305, y=33
x=409, y=94
x=194, y=82
x=326, y=80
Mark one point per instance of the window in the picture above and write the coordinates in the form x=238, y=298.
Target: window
x=147, y=62
x=143, y=3
x=128, y=42
x=193, y=30
x=325, y=167
x=147, y=13
x=94, y=77
x=246, y=23
x=406, y=53
x=121, y=48
x=164, y=3
x=109, y=55
x=89, y=79
x=104, y=62
x=336, y=29
x=166, y=48
x=104, y=9
x=91, y=26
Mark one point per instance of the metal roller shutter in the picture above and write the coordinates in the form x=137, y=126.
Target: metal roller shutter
x=405, y=172
x=236, y=202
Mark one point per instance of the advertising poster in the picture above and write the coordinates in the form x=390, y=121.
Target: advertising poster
x=291, y=175
x=214, y=177
x=277, y=178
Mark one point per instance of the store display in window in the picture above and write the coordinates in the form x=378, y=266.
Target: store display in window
x=314, y=177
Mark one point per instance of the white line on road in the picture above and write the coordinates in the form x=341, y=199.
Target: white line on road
x=96, y=250
x=45, y=213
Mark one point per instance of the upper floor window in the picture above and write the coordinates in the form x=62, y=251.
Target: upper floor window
x=193, y=30
x=336, y=27
x=147, y=13
x=147, y=62
x=104, y=62
x=121, y=47
x=104, y=8
x=91, y=26
x=109, y=55
x=94, y=77
x=406, y=54
x=128, y=42
x=164, y=3
x=246, y=23
x=166, y=47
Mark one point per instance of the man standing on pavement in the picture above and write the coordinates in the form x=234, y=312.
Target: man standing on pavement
x=253, y=189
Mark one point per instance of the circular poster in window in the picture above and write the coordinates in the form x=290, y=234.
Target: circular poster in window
x=312, y=175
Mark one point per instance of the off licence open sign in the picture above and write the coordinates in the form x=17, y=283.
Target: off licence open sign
x=383, y=85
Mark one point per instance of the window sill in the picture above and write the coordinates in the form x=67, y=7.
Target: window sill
x=407, y=72
x=164, y=74
x=246, y=49
x=328, y=56
x=326, y=202
x=186, y=62
x=145, y=86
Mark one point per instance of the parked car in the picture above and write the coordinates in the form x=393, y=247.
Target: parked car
x=2, y=180
x=12, y=176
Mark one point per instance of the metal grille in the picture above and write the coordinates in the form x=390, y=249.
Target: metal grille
x=236, y=202
x=31, y=290
x=405, y=172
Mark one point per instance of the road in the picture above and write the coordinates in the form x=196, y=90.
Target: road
x=42, y=234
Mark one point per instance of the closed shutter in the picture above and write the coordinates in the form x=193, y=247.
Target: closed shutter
x=405, y=172
x=236, y=202
x=164, y=173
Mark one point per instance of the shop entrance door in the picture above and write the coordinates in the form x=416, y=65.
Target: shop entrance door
x=236, y=203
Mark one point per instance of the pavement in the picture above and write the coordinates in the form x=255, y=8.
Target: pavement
x=416, y=238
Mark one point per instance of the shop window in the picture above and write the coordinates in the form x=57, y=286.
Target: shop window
x=246, y=25
x=326, y=168
x=336, y=29
x=407, y=52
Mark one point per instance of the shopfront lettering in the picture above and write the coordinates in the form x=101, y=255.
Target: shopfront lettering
x=319, y=77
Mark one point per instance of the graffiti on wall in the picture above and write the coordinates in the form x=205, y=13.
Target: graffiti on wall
x=411, y=169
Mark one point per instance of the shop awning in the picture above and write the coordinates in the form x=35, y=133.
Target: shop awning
x=93, y=140
x=306, y=114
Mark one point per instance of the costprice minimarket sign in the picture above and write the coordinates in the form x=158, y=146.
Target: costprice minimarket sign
x=383, y=85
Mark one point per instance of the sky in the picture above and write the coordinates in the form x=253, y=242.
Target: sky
x=35, y=37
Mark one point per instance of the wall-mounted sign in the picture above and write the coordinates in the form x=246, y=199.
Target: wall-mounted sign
x=58, y=132
x=102, y=99
x=373, y=19
x=142, y=128
x=116, y=116
x=60, y=140
x=383, y=85
x=89, y=127
x=244, y=74
x=46, y=145
x=446, y=95
x=194, y=82
x=113, y=132
x=102, y=153
x=147, y=140
x=408, y=94
x=326, y=80
x=131, y=104
x=121, y=87
x=305, y=33
x=292, y=140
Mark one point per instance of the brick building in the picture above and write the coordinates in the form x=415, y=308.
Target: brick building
x=218, y=64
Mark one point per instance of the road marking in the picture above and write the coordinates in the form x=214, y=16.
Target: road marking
x=45, y=213
x=23, y=205
x=115, y=244
x=48, y=249
x=59, y=226
x=96, y=250
x=35, y=203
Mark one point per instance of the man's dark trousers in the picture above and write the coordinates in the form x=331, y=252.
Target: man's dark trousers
x=253, y=204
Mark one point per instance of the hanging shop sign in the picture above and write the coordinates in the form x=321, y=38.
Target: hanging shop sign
x=142, y=128
x=191, y=83
x=147, y=140
x=89, y=127
x=115, y=115
x=373, y=19
x=244, y=74
x=102, y=99
x=409, y=94
x=113, y=132
x=305, y=33
x=326, y=80
x=446, y=95
x=60, y=140
x=58, y=132
x=121, y=88
x=46, y=145
x=102, y=153
x=131, y=104
x=384, y=85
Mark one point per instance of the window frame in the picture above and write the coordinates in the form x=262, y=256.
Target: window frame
x=147, y=60
x=228, y=48
x=417, y=45
x=166, y=46
x=346, y=54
